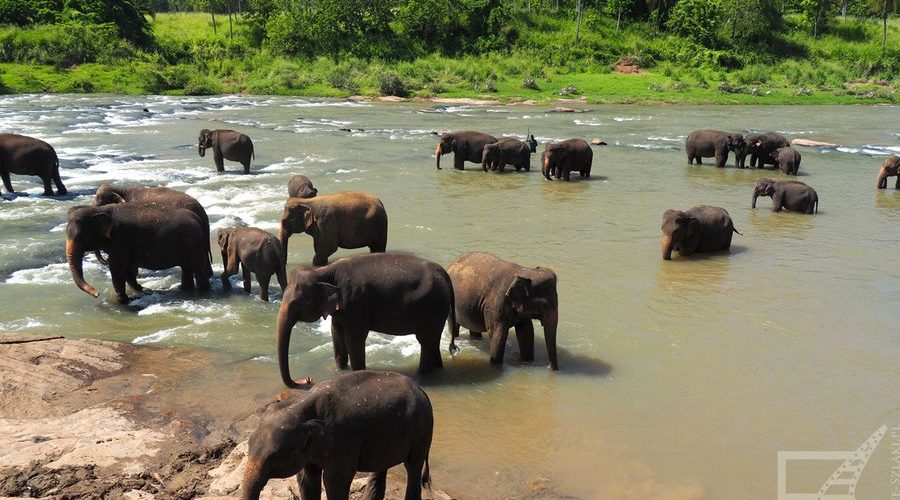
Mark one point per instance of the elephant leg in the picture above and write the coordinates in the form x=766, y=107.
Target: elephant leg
x=246, y=164
x=430, y=349
x=119, y=274
x=202, y=276
x=720, y=160
x=896, y=185
x=565, y=173
x=247, y=275
x=60, y=187
x=219, y=161
x=263, y=280
x=525, y=338
x=339, y=344
x=324, y=248
x=699, y=160
x=187, y=278
x=499, y=335
x=337, y=484
x=282, y=276
x=458, y=161
x=48, y=191
x=131, y=279
x=413, y=467
x=6, y=182
x=310, y=480
x=374, y=489
x=355, y=340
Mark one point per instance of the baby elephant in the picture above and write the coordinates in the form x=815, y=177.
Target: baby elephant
x=360, y=422
x=787, y=159
x=699, y=229
x=794, y=196
x=226, y=145
x=508, y=151
x=890, y=168
x=301, y=187
x=257, y=252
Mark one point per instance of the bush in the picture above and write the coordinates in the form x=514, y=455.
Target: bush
x=26, y=12
x=530, y=84
x=391, y=84
x=696, y=19
x=199, y=84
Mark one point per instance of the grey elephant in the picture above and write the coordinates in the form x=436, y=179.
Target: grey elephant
x=494, y=295
x=890, y=168
x=787, y=159
x=794, y=196
x=227, y=145
x=761, y=147
x=465, y=146
x=559, y=159
x=301, y=187
x=347, y=219
x=23, y=155
x=359, y=422
x=699, y=229
x=714, y=143
x=255, y=251
x=508, y=151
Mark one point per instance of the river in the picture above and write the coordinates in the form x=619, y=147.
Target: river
x=677, y=380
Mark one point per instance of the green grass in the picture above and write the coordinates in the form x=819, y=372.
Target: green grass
x=845, y=66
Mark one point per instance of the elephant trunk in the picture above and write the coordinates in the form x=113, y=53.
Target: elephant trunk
x=437, y=157
x=755, y=195
x=75, y=255
x=286, y=322
x=668, y=244
x=551, y=320
x=283, y=236
x=253, y=481
x=201, y=149
x=882, y=178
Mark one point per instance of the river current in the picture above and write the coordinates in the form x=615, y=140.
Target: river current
x=678, y=380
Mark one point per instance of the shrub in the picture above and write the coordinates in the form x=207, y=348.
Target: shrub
x=568, y=90
x=391, y=84
x=696, y=19
x=530, y=84
x=199, y=84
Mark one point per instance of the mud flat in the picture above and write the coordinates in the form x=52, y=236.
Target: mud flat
x=95, y=419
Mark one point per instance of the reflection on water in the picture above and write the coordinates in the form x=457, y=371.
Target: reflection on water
x=677, y=379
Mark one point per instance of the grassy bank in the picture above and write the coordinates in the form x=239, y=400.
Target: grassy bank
x=845, y=66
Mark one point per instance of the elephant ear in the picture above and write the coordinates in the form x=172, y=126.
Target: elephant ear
x=222, y=238
x=105, y=225
x=518, y=293
x=332, y=301
x=309, y=217
x=314, y=441
x=691, y=237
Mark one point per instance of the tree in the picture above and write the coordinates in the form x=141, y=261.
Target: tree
x=816, y=14
x=696, y=19
x=618, y=8
x=883, y=7
x=752, y=20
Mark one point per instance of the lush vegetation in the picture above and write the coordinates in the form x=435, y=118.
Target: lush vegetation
x=743, y=51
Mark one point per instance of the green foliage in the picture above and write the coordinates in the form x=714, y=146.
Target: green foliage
x=697, y=20
x=129, y=21
x=389, y=83
x=25, y=12
x=751, y=20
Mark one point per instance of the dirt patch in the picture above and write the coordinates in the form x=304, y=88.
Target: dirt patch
x=627, y=66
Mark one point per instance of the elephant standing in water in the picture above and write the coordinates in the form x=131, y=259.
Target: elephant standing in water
x=699, y=229
x=794, y=196
x=301, y=187
x=787, y=159
x=465, y=146
x=136, y=235
x=108, y=194
x=890, y=168
x=359, y=422
x=708, y=143
x=508, y=151
x=256, y=251
x=761, y=148
x=348, y=219
x=395, y=294
x=494, y=295
x=561, y=158
x=25, y=155
x=227, y=145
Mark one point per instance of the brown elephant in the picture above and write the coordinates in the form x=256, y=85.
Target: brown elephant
x=136, y=235
x=359, y=422
x=508, y=151
x=256, y=251
x=761, y=148
x=347, y=219
x=559, y=159
x=787, y=159
x=707, y=143
x=890, y=168
x=494, y=295
x=20, y=154
x=227, y=145
x=699, y=229
x=301, y=187
x=793, y=196
x=465, y=146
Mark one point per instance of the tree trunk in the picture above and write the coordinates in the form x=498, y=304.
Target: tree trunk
x=230, y=28
x=215, y=31
x=884, y=17
x=844, y=8
x=619, y=18
x=816, y=22
x=580, y=8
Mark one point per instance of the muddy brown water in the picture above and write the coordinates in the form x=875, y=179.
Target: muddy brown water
x=678, y=379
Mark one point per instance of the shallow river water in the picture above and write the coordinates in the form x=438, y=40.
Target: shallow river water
x=677, y=380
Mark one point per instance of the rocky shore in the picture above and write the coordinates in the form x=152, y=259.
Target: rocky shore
x=95, y=419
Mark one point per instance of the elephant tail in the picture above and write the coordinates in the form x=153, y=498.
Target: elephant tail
x=735, y=230
x=454, y=350
x=426, y=475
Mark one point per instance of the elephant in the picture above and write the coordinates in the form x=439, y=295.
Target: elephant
x=363, y=421
x=699, y=229
x=890, y=168
x=134, y=235
x=508, y=151
x=301, y=187
x=20, y=154
x=396, y=294
x=465, y=146
x=561, y=158
x=494, y=295
x=708, y=143
x=794, y=196
x=108, y=194
x=347, y=219
x=227, y=145
x=257, y=252
x=787, y=159
x=762, y=146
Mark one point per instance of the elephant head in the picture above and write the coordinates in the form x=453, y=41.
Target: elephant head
x=553, y=156
x=107, y=195
x=89, y=228
x=445, y=146
x=490, y=157
x=532, y=143
x=890, y=168
x=306, y=299
x=281, y=446
x=764, y=187
x=532, y=295
x=297, y=217
x=737, y=144
x=681, y=232
x=205, y=141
